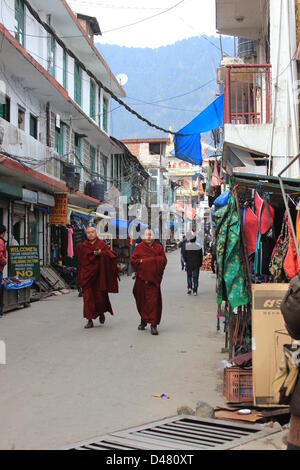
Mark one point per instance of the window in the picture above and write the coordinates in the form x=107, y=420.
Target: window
x=77, y=83
x=19, y=21
x=105, y=115
x=77, y=154
x=65, y=69
x=93, y=162
x=93, y=100
x=154, y=149
x=105, y=168
x=21, y=118
x=59, y=140
x=33, y=126
x=153, y=186
x=52, y=56
x=5, y=109
x=116, y=170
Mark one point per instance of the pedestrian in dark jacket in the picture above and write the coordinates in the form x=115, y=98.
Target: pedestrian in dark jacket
x=182, y=246
x=292, y=322
x=193, y=257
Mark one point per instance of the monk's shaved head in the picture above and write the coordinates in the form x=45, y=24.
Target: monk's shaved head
x=91, y=233
x=149, y=236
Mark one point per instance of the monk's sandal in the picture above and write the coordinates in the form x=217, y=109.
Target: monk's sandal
x=142, y=326
x=154, y=331
x=89, y=325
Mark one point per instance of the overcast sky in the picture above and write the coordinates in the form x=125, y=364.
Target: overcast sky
x=190, y=18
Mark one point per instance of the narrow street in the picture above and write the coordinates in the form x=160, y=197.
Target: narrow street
x=63, y=384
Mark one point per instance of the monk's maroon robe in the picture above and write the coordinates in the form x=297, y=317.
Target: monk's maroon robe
x=149, y=274
x=97, y=276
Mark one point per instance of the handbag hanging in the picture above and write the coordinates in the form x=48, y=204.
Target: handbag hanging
x=215, y=179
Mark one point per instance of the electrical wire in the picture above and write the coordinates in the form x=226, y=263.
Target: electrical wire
x=103, y=32
x=144, y=19
x=118, y=7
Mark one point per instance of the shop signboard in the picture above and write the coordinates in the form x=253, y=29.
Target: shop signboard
x=29, y=196
x=59, y=213
x=46, y=199
x=24, y=262
x=268, y=337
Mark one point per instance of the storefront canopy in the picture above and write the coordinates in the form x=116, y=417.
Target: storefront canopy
x=188, y=145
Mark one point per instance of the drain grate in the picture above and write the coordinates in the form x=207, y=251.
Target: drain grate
x=178, y=433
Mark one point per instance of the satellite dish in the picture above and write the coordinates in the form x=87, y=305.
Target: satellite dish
x=122, y=78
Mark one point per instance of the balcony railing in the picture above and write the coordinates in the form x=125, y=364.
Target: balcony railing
x=247, y=94
x=30, y=151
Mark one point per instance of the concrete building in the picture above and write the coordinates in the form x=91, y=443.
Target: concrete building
x=261, y=105
x=55, y=91
x=152, y=153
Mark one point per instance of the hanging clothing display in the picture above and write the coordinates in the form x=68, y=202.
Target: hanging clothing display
x=279, y=253
x=231, y=283
x=70, y=243
x=250, y=226
x=298, y=228
x=265, y=213
x=291, y=264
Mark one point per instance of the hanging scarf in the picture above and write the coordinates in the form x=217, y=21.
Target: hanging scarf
x=231, y=282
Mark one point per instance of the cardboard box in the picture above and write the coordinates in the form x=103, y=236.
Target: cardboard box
x=268, y=337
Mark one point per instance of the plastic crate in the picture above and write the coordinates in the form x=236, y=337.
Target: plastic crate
x=237, y=385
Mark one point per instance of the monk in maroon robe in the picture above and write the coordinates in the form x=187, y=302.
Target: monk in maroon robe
x=98, y=275
x=149, y=261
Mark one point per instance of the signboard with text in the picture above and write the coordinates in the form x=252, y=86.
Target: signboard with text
x=59, y=213
x=24, y=262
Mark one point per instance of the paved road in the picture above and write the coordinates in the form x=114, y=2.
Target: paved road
x=63, y=384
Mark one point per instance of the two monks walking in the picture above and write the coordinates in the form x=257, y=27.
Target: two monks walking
x=98, y=276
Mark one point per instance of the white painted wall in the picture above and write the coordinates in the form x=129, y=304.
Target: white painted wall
x=258, y=138
x=59, y=73
x=37, y=44
x=71, y=77
x=86, y=93
x=7, y=15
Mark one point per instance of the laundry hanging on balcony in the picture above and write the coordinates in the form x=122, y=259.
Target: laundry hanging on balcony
x=188, y=145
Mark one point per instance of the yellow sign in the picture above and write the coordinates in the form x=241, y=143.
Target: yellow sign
x=59, y=213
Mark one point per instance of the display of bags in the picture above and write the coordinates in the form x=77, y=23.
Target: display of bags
x=280, y=251
x=291, y=263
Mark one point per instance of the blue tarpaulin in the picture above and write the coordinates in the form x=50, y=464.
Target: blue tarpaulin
x=188, y=146
x=11, y=285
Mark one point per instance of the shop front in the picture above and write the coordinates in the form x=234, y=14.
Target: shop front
x=68, y=223
x=256, y=259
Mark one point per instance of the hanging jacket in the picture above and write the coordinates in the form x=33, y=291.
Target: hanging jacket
x=265, y=213
x=291, y=263
x=250, y=225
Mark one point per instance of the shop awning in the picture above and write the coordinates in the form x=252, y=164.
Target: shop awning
x=85, y=214
x=267, y=183
x=11, y=190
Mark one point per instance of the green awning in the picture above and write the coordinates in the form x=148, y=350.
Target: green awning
x=10, y=190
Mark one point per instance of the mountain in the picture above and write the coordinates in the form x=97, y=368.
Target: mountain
x=158, y=74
